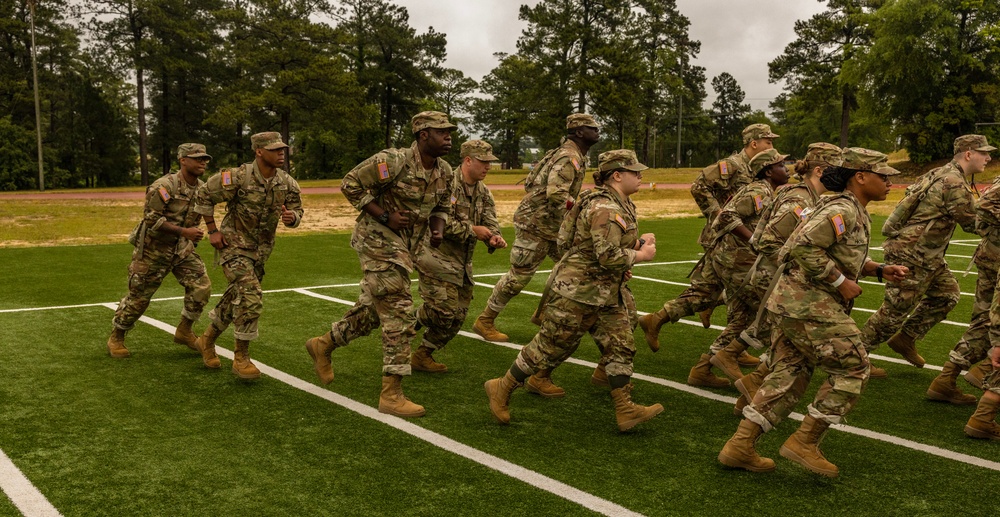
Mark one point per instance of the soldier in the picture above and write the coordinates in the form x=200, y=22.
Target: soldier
x=402, y=195
x=732, y=258
x=792, y=204
x=601, y=243
x=826, y=255
x=164, y=242
x=550, y=188
x=917, y=235
x=446, y=271
x=982, y=424
x=713, y=188
x=257, y=195
x=975, y=342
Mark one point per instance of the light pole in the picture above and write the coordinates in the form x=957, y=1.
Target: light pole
x=38, y=109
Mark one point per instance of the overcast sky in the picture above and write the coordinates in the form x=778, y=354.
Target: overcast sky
x=737, y=36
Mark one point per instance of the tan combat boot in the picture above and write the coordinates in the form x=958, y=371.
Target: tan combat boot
x=747, y=361
x=740, y=451
x=802, y=447
x=116, y=344
x=650, y=325
x=206, y=345
x=320, y=348
x=392, y=401
x=628, y=413
x=904, y=345
x=421, y=361
x=600, y=377
x=977, y=373
x=242, y=366
x=944, y=389
x=484, y=326
x=701, y=374
x=874, y=372
x=184, y=335
x=541, y=384
x=499, y=390
x=705, y=317
x=726, y=359
x=751, y=382
x=741, y=402
x=983, y=424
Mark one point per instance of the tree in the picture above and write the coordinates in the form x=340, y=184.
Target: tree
x=729, y=112
x=506, y=116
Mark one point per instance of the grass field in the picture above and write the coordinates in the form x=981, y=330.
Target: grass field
x=158, y=434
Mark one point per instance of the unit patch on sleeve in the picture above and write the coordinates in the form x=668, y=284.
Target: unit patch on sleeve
x=838, y=224
x=621, y=222
x=227, y=177
x=164, y=195
x=758, y=202
x=576, y=163
x=724, y=169
x=383, y=171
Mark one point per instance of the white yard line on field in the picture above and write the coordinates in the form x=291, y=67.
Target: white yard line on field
x=22, y=493
x=535, y=479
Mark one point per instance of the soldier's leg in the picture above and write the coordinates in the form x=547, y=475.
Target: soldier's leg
x=564, y=322
x=975, y=342
x=727, y=348
x=845, y=360
x=390, y=294
x=526, y=255
x=146, y=273
x=613, y=333
x=940, y=297
x=246, y=303
x=703, y=293
x=191, y=274
x=440, y=312
x=900, y=298
x=791, y=370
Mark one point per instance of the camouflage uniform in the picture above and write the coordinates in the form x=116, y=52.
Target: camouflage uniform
x=396, y=181
x=446, y=281
x=550, y=189
x=926, y=296
x=253, y=209
x=168, y=200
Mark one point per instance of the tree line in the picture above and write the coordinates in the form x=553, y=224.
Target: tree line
x=122, y=82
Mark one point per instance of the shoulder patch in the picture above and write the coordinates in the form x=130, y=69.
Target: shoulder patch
x=164, y=195
x=800, y=212
x=621, y=221
x=724, y=169
x=576, y=163
x=383, y=170
x=758, y=202
x=454, y=199
x=227, y=177
x=838, y=224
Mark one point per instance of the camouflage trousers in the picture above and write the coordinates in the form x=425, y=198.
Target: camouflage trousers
x=975, y=342
x=991, y=382
x=564, y=322
x=443, y=311
x=147, y=272
x=242, y=303
x=742, y=300
x=704, y=293
x=913, y=305
x=527, y=253
x=798, y=347
x=385, y=302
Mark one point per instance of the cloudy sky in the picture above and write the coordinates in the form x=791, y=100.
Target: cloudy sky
x=737, y=36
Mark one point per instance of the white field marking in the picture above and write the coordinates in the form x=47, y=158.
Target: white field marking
x=22, y=493
x=644, y=264
x=542, y=482
x=858, y=431
x=869, y=282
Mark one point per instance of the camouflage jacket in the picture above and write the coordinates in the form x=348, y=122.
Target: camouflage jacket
x=924, y=238
x=834, y=236
x=169, y=200
x=732, y=256
x=597, y=237
x=556, y=180
x=452, y=261
x=253, y=208
x=716, y=184
x=988, y=225
x=396, y=181
x=791, y=205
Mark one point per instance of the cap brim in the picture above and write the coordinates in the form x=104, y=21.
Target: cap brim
x=198, y=155
x=486, y=157
x=450, y=127
x=887, y=170
x=635, y=167
x=770, y=135
x=987, y=148
x=275, y=147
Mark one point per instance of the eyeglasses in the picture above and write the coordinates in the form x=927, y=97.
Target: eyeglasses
x=638, y=175
x=885, y=177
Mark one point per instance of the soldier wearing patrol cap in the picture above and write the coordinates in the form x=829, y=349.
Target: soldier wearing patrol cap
x=917, y=235
x=258, y=195
x=550, y=190
x=404, y=196
x=445, y=272
x=711, y=190
x=826, y=255
x=599, y=242
x=165, y=241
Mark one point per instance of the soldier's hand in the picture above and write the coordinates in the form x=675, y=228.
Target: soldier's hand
x=849, y=289
x=399, y=220
x=646, y=252
x=995, y=356
x=436, y=238
x=193, y=234
x=217, y=240
x=482, y=233
x=287, y=216
x=895, y=273
x=628, y=275
x=497, y=242
x=649, y=238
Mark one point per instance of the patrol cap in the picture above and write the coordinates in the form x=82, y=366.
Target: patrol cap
x=581, y=120
x=824, y=152
x=756, y=132
x=431, y=120
x=972, y=143
x=270, y=140
x=479, y=150
x=192, y=151
x=861, y=159
x=619, y=159
x=764, y=159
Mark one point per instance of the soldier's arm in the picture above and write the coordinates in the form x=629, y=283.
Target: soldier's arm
x=558, y=184
x=293, y=202
x=359, y=182
x=704, y=189
x=809, y=246
x=988, y=211
x=606, y=232
x=742, y=206
x=456, y=229
x=961, y=205
x=212, y=193
x=490, y=212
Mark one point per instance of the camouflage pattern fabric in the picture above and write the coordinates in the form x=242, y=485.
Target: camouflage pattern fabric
x=703, y=293
x=975, y=342
x=928, y=294
x=242, y=301
x=715, y=185
x=168, y=200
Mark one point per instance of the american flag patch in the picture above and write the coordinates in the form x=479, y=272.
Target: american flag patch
x=164, y=194
x=227, y=178
x=838, y=224
x=621, y=221
x=454, y=200
x=758, y=202
x=383, y=171
x=724, y=169
x=576, y=164
x=801, y=213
